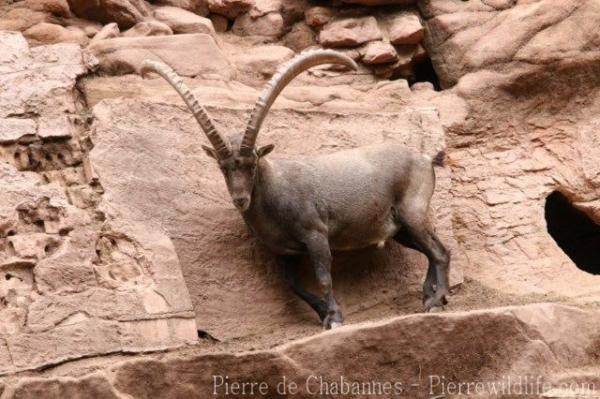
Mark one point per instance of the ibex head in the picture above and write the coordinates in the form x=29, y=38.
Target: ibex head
x=238, y=159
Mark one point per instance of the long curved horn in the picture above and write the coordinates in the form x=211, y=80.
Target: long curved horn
x=219, y=143
x=279, y=81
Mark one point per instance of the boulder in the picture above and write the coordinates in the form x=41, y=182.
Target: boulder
x=350, y=32
x=108, y=31
x=187, y=54
x=318, y=15
x=56, y=7
x=148, y=28
x=219, y=22
x=229, y=8
x=182, y=21
x=20, y=19
x=262, y=60
x=125, y=13
x=199, y=7
x=45, y=33
x=406, y=29
x=379, y=53
x=269, y=25
x=300, y=37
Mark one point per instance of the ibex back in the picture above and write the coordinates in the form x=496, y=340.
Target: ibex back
x=343, y=201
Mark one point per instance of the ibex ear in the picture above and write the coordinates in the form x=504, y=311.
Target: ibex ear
x=264, y=150
x=210, y=151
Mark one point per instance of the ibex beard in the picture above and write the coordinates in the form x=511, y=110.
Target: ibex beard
x=342, y=201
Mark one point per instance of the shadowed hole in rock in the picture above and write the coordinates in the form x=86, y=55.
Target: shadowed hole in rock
x=423, y=71
x=574, y=232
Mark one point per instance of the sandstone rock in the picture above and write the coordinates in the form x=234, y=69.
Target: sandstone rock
x=270, y=25
x=293, y=10
x=219, y=22
x=300, y=37
x=527, y=335
x=56, y=7
x=406, y=29
x=55, y=127
x=148, y=28
x=318, y=16
x=93, y=386
x=199, y=7
x=125, y=13
x=189, y=55
x=50, y=33
x=381, y=2
x=92, y=30
x=108, y=31
x=229, y=8
x=454, y=35
x=350, y=32
x=12, y=129
x=20, y=19
x=182, y=21
x=58, y=249
x=379, y=53
x=206, y=218
x=263, y=60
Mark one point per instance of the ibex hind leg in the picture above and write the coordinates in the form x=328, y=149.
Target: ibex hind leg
x=416, y=233
x=403, y=237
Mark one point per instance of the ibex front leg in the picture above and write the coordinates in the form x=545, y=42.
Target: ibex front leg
x=317, y=245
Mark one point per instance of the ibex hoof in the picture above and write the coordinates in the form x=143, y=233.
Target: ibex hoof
x=435, y=303
x=332, y=321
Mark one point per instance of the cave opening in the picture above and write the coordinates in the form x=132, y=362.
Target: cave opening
x=574, y=232
x=423, y=71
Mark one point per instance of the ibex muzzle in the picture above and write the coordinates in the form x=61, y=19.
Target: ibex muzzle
x=324, y=203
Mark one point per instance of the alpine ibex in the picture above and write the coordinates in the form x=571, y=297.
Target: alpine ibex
x=347, y=200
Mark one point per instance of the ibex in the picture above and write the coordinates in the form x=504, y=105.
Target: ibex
x=343, y=201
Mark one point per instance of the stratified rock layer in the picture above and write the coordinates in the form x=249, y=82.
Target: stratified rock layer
x=74, y=282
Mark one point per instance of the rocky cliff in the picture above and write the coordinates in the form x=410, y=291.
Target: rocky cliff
x=125, y=271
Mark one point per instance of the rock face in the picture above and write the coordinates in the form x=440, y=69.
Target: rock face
x=125, y=13
x=229, y=8
x=45, y=33
x=125, y=271
x=182, y=21
x=349, y=32
x=74, y=281
x=188, y=55
x=529, y=129
x=195, y=208
x=515, y=341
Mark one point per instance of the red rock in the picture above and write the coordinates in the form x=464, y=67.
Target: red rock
x=182, y=21
x=199, y=7
x=56, y=7
x=406, y=29
x=229, y=8
x=220, y=23
x=318, y=16
x=125, y=13
x=187, y=54
x=350, y=32
x=270, y=25
x=148, y=28
x=379, y=53
x=300, y=37
x=45, y=33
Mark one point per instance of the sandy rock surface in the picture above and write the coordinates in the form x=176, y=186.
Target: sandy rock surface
x=125, y=271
